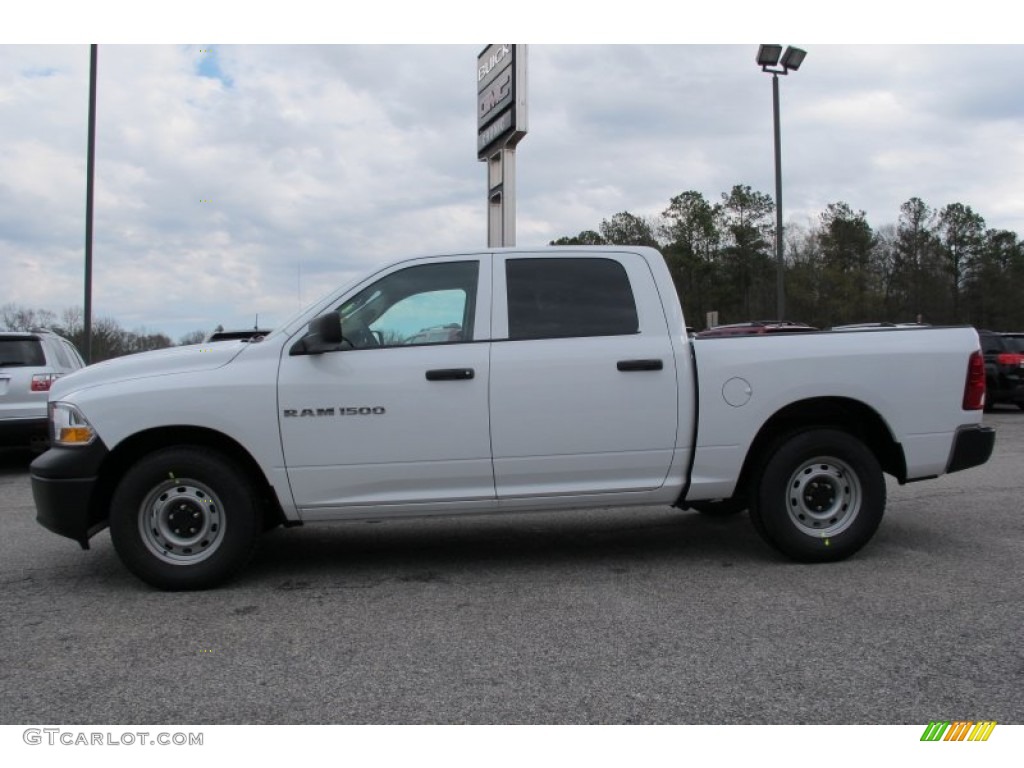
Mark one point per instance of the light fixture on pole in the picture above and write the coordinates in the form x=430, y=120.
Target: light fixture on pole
x=770, y=58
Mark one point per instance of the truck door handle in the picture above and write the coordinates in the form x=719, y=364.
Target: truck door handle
x=639, y=365
x=450, y=374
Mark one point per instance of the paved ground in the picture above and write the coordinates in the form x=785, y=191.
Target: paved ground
x=621, y=616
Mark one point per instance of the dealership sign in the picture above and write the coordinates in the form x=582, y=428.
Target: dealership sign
x=501, y=97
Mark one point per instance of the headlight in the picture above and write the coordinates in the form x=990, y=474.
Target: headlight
x=68, y=426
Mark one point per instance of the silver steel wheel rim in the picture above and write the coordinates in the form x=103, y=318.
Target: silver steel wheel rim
x=823, y=497
x=182, y=522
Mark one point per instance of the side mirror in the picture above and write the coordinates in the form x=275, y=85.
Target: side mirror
x=323, y=335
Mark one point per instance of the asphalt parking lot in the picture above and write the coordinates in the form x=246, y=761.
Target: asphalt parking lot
x=620, y=616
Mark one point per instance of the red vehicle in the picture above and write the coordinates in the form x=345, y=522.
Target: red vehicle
x=1004, y=367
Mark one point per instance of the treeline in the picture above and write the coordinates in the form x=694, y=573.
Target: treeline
x=109, y=339
x=939, y=266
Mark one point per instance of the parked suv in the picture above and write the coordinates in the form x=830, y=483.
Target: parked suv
x=29, y=363
x=1004, y=367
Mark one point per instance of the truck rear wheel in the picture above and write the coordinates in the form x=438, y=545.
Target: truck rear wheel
x=820, y=496
x=184, y=518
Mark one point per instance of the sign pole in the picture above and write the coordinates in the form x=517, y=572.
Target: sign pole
x=501, y=198
x=501, y=125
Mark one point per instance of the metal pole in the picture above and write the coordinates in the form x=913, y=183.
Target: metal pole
x=501, y=198
x=89, y=179
x=780, y=299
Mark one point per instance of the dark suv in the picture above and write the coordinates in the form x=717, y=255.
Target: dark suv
x=29, y=363
x=1004, y=367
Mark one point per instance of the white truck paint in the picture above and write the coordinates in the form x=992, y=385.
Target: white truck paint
x=567, y=381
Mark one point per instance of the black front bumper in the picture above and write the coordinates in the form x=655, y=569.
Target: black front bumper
x=64, y=484
x=971, y=446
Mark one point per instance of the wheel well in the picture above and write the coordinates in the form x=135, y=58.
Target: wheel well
x=844, y=414
x=135, y=447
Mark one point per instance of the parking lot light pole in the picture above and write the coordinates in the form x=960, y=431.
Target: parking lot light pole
x=90, y=176
x=770, y=58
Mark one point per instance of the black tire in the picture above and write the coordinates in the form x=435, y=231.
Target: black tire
x=185, y=518
x=820, y=496
x=719, y=507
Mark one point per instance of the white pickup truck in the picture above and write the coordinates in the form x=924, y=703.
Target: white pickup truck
x=501, y=381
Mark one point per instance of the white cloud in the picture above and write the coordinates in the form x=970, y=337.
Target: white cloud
x=223, y=177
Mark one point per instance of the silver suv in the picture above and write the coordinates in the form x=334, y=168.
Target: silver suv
x=30, y=361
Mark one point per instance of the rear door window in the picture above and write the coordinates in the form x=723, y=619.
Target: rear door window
x=560, y=298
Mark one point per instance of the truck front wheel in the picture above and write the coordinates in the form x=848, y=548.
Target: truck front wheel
x=184, y=518
x=820, y=496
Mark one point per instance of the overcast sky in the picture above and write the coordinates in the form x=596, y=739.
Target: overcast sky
x=237, y=179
